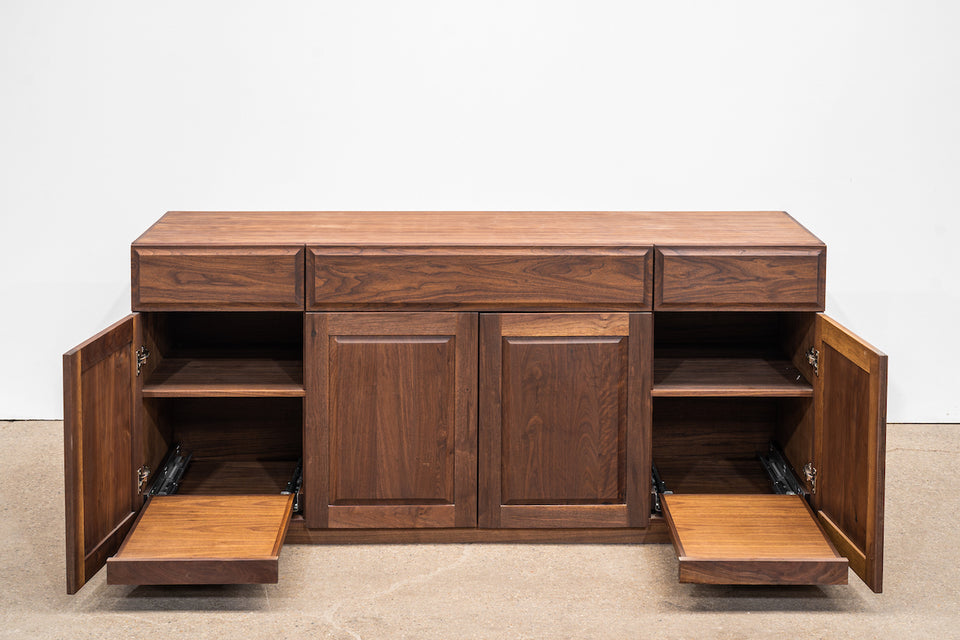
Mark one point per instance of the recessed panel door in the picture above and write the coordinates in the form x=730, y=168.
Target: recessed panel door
x=850, y=446
x=564, y=422
x=391, y=420
x=98, y=428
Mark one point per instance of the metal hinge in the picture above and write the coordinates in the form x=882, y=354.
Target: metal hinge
x=142, y=354
x=813, y=357
x=810, y=475
x=143, y=473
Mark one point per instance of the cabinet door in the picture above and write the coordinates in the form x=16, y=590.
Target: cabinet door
x=565, y=420
x=851, y=401
x=98, y=429
x=391, y=438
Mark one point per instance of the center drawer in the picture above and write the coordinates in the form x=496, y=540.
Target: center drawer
x=525, y=278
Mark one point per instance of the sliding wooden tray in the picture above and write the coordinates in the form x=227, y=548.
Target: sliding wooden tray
x=186, y=539
x=750, y=539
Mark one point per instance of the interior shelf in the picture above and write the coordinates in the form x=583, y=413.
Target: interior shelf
x=225, y=378
x=681, y=374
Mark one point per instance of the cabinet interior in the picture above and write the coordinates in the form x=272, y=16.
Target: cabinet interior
x=224, y=354
x=227, y=387
x=238, y=445
x=726, y=386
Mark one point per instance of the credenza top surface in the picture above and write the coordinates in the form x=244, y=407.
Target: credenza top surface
x=479, y=228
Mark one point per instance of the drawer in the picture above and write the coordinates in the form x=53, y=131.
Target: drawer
x=479, y=278
x=750, y=539
x=204, y=279
x=191, y=539
x=730, y=278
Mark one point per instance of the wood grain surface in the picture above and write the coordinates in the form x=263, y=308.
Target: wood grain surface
x=478, y=278
x=185, y=278
x=391, y=438
x=99, y=416
x=851, y=406
x=750, y=539
x=562, y=444
x=479, y=228
x=225, y=378
x=204, y=540
x=775, y=278
x=691, y=375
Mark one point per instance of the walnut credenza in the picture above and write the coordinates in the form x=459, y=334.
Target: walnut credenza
x=481, y=376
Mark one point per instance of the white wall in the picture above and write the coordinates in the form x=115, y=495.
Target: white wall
x=843, y=113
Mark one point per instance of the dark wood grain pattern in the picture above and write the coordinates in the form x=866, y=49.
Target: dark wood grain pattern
x=225, y=378
x=479, y=228
x=100, y=497
x=691, y=375
x=711, y=445
x=556, y=453
x=851, y=400
x=234, y=429
x=398, y=421
x=236, y=477
x=750, y=539
x=777, y=279
x=204, y=540
x=655, y=533
x=185, y=278
x=478, y=278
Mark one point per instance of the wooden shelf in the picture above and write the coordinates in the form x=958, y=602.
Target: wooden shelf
x=681, y=376
x=225, y=378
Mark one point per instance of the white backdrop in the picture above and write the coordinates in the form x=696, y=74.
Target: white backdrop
x=845, y=114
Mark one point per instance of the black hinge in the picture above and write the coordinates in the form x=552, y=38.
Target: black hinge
x=813, y=357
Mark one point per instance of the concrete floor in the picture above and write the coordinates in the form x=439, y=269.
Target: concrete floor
x=486, y=591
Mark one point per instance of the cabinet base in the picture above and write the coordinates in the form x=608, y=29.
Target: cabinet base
x=298, y=533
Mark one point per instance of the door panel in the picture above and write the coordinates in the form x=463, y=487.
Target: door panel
x=851, y=400
x=391, y=420
x=564, y=420
x=100, y=497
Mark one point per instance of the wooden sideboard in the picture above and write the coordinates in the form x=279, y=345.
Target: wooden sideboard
x=369, y=377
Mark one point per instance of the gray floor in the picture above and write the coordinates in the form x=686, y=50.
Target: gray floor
x=486, y=591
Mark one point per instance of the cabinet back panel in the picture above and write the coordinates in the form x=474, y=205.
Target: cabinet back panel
x=710, y=445
x=227, y=333
x=235, y=428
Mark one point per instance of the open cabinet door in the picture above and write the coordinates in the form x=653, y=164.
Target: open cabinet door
x=851, y=419
x=98, y=426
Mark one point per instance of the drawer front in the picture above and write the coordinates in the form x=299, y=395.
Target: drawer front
x=487, y=278
x=775, y=279
x=182, y=279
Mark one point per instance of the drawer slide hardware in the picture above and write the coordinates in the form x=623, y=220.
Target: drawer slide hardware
x=167, y=482
x=142, y=354
x=657, y=487
x=810, y=475
x=295, y=485
x=781, y=475
x=813, y=358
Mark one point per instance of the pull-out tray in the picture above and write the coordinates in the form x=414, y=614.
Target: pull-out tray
x=188, y=539
x=750, y=539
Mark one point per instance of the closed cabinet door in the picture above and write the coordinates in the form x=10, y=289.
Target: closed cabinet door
x=564, y=420
x=390, y=434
